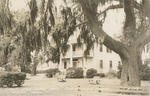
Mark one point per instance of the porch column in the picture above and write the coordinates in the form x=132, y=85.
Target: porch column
x=60, y=63
x=84, y=60
x=71, y=56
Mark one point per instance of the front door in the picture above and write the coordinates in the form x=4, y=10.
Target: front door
x=74, y=64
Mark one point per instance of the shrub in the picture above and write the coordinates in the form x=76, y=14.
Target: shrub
x=74, y=73
x=102, y=75
x=91, y=72
x=111, y=74
x=119, y=71
x=41, y=71
x=145, y=72
x=10, y=78
x=51, y=72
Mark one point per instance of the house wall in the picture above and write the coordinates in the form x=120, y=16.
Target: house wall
x=95, y=58
x=92, y=61
x=106, y=57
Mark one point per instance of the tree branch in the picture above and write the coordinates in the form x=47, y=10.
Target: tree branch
x=110, y=7
x=144, y=38
x=80, y=24
x=116, y=46
x=97, y=30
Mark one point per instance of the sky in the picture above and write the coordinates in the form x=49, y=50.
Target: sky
x=18, y=4
x=114, y=22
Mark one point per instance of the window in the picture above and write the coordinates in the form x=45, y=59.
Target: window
x=144, y=50
x=110, y=64
x=75, y=62
x=119, y=63
x=65, y=65
x=101, y=48
x=108, y=50
x=74, y=47
x=147, y=48
x=101, y=64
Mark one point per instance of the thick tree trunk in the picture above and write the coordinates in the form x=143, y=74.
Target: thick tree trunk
x=130, y=73
x=33, y=70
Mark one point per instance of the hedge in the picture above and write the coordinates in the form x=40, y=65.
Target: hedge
x=10, y=78
x=74, y=73
x=145, y=72
x=90, y=73
x=51, y=72
x=102, y=75
x=112, y=74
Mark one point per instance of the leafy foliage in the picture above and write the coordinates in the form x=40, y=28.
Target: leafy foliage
x=74, y=73
x=62, y=34
x=6, y=18
x=102, y=75
x=51, y=72
x=10, y=78
x=34, y=9
x=145, y=72
x=90, y=73
x=111, y=74
x=87, y=37
x=31, y=34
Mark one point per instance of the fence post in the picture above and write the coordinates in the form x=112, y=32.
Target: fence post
x=79, y=88
x=79, y=91
x=99, y=90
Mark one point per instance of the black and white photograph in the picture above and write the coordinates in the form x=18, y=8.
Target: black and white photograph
x=74, y=47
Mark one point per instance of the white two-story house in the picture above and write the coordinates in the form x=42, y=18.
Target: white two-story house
x=100, y=57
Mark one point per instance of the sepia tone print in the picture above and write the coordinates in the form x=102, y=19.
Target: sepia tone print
x=74, y=48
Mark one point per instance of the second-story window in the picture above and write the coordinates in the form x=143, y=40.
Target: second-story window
x=110, y=64
x=65, y=65
x=119, y=63
x=101, y=47
x=147, y=48
x=101, y=64
x=108, y=50
x=74, y=47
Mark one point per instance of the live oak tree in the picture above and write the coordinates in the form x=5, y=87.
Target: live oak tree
x=134, y=37
x=135, y=32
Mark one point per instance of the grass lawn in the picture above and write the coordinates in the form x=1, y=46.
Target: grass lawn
x=42, y=86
